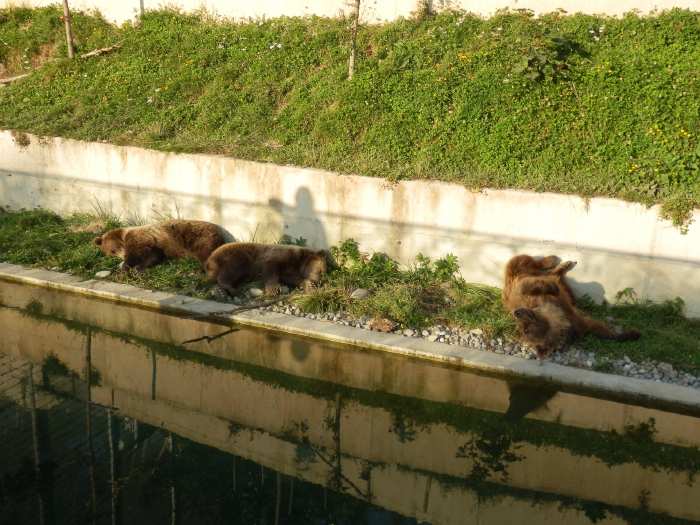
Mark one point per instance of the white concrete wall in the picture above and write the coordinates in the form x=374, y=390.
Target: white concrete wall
x=618, y=244
x=372, y=10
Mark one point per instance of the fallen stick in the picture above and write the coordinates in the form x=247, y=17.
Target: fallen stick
x=101, y=51
x=93, y=53
x=12, y=79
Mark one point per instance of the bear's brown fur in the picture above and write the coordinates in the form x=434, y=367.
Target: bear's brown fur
x=235, y=263
x=141, y=247
x=544, y=307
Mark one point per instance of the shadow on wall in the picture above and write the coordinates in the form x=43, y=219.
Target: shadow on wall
x=592, y=289
x=301, y=217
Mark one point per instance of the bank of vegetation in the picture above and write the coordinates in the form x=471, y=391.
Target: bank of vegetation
x=578, y=104
x=427, y=293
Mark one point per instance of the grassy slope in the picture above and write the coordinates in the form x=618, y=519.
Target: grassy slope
x=427, y=293
x=29, y=37
x=616, y=113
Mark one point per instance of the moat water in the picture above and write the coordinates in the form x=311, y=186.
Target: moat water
x=113, y=414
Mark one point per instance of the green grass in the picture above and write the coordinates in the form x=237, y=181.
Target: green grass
x=574, y=104
x=41, y=238
x=29, y=37
x=666, y=334
x=426, y=293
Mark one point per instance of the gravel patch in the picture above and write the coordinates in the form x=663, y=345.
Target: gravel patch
x=477, y=339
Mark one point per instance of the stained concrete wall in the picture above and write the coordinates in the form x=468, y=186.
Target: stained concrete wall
x=131, y=366
x=618, y=244
x=372, y=11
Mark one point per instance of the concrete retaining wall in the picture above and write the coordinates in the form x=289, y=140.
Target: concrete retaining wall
x=371, y=11
x=618, y=245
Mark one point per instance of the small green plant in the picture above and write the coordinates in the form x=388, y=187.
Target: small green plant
x=626, y=296
x=286, y=239
x=426, y=292
x=409, y=304
x=550, y=58
x=322, y=300
x=604, y=366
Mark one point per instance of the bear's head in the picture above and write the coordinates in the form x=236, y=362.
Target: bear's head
x=316, y=265
x=545, y=328
x=111, y=243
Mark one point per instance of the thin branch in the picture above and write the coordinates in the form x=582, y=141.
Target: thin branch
x=101, y=51
x=89, y=54
x=210, y=338
x=12, y=79
x=342, y=476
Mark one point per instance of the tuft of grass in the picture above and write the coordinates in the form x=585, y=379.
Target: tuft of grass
x=184, y=276
x=510, y=101
x=42, y=238
x=427, y=292
x=667, y=335
x=322, y=300
x=409, y=304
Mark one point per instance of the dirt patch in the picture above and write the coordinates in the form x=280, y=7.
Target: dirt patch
x=16, y=63
x=95, y=227
x=46, y=52
x=20, y=138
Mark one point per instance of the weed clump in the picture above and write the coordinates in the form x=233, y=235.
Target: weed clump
x=426, y=292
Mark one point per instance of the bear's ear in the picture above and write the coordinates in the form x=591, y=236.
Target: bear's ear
x=97, y=241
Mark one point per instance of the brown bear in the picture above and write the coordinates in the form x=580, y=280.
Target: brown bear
x=235, y=263
x=141, y=247
x=544, y=307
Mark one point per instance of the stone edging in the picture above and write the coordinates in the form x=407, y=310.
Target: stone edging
x=637, y=391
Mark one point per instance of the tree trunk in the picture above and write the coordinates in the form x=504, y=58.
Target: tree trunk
x=69, y=29
x=353, y=41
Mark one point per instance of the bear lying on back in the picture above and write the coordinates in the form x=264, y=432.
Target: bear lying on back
x=141, y=247
x=544, y=306
x=235, y=263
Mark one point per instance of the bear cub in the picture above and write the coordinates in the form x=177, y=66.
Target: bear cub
x=544, y=307
x=141, y=247
x=235, y=263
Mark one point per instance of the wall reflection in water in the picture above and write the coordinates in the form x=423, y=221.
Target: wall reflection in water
x=254, y=428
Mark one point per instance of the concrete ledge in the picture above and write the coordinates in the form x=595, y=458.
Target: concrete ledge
x=642, y=392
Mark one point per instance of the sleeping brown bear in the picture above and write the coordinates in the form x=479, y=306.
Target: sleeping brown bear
x=235, y=263
x=141, y=247
x=544, y=307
